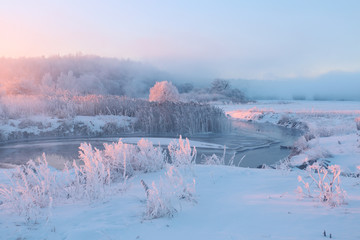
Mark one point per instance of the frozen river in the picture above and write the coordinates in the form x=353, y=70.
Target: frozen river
x=259, y=143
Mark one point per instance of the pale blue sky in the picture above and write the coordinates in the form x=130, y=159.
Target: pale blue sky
x=231, y=39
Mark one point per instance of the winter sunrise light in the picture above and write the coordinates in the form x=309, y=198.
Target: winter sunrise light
x=179, y=119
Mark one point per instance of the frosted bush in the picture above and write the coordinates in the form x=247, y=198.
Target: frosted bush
x=117, y=162
x=283, y=165
x=164, y=91
x=325, y=185
x=94, y=175
x=216, y=160
x=181, y=153
x=158, y=201
x=149, y=158
x=124, y=158
x=33, y=187
x=161, y=198
x=212, y=160
x=120, y=158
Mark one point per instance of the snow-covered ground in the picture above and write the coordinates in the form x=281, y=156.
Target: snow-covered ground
x=231, y=203
x=45, y=126
x=330, y=117
x=330, y=127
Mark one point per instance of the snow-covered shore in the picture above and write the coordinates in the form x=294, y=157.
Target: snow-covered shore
x=44, y=126
x=331, y=130
x=232, y=203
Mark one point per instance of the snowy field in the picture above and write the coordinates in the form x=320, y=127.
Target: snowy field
x=188, y=201
x=231, y=203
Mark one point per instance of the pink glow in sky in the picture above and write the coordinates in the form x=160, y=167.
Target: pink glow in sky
x=250, y=39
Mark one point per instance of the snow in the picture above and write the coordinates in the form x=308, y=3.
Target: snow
x=38, y=126
x=342, y=150
x=299, y=106
x=332, y=123
x=328, y=116
x=95, y=123
x=232, y=203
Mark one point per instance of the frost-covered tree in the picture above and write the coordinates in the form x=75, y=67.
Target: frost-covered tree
x=220, y=86
x=223, y=90
x=164, y=91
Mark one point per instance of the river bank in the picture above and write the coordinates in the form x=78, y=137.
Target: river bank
x=330, y=128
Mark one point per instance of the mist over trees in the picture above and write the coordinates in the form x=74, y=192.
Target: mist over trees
x=65, y=87
x=82, y=75
x=76, y=75
x=219, y=90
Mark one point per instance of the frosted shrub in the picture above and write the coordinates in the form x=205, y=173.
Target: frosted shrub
x=181, y=153
x=124, y=158
x=161, y=198
x=212, y=160
x=149, y=158
x=117, y=162
x=158, y=201
x=325, y=185
x=120, y=157
x=216, y=160
x=33, y=187
x=284, y=165
x=94, y=175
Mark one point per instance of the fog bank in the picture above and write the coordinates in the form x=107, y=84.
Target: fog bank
x=331, y=86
